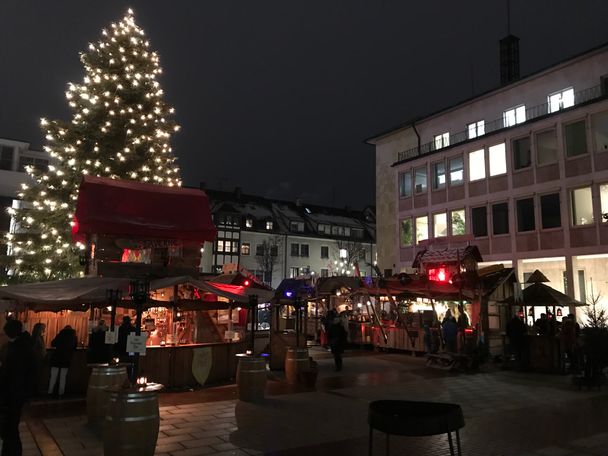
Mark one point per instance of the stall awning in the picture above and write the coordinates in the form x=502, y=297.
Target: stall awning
x=68, y=294
x=135, y=209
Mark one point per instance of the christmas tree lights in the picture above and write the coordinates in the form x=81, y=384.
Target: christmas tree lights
x=120, y=128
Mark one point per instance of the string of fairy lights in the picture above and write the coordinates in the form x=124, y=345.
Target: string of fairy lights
x=121, y=128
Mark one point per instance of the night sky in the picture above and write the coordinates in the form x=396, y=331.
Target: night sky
x=276, y=97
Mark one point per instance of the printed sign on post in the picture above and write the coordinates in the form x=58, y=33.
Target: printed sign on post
x=111, y=337
x=137, y=344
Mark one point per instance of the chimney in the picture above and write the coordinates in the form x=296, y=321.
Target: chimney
x=509, y=59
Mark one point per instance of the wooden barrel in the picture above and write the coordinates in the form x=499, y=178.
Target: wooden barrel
x=296, y=361
x=102, y=377
x=251, y=378
x=132, y=421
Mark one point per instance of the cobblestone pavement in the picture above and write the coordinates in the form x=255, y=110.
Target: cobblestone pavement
x=506, y=413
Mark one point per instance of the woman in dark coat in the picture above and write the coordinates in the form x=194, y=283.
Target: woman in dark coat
x=336, y=335
x=65, y=343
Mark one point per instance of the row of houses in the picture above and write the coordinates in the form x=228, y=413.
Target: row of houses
x=272, y=239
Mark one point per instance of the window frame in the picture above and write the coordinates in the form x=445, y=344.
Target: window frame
x=412, y=232
x=294, y=249
x=246, y=248
x=304, y=250
x=445, y=215
x=451, y=221
x=404, y=187
x=559, y=206
x=503, y=159
x=426, y=180
x=515, y=110
x=561, y=100
x=435, y=184
x=514, y=153
x=326, y=256
x=269, y=225
x=485, y=207
x=416, y=228
x=537, y=150
x=441, y=140
x=572, y=206
x=496, y=204
x=449, y=170
x=476, y=127
x=485, y=171
x=524, y=219
x=565, y=141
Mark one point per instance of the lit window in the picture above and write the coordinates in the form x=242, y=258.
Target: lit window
x=248, y=223
x=405, y=184
x=477, y=165
x=442, y=140
x=220, y=246
x=604, y=202
x=269, y=225
x=514, y=116
x=294, y=272
x=498, y=159
x=422, y=228
x=420, y=182
x=440, y=224
x=458, y=222
x=439, y=175
x=406, y=233
x=582, y=206
x=245, y=248
x=343, y=253
x=456, y=171
x=476, y=129
x=560, y=100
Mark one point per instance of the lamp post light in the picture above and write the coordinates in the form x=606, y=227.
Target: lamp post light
x=113, y=297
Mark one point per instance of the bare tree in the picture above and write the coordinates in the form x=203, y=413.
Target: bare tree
x=267, y=256
x=596, y=317
x=349, y=252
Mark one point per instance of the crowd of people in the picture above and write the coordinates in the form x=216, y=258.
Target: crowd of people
x=22, y=364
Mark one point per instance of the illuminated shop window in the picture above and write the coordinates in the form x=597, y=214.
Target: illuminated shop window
x=477, y=165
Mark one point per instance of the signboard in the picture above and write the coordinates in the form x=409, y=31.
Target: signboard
x=137, y=344
x=111, y=337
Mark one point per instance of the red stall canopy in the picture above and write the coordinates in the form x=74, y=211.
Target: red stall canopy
x=130, y=208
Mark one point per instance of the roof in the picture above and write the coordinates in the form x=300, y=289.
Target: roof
x=414, y=120
x=135, y=209
x=446, y=256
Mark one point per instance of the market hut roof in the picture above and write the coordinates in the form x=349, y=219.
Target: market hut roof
x=446, y=256
x=135, y=209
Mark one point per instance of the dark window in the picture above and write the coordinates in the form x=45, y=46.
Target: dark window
x=405, y=184
x=550, y=211
x=356, y=233
x=304, y=250
x=546, y=147
x=324, y=272
x=295, y=249
x=274, y=250
x=521, y=153
x=324, y=252
x=500, y=218
x=438, y=175
x=420, y=182
x=6, y=157
x=479, y=217
x=388, y=272
x=259, y=250
x=576, y=139
x=525, y=215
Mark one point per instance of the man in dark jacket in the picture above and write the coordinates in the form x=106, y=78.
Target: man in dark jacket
x=65, y=344
x=336, y=335
x=17, y=380
x=120, y=348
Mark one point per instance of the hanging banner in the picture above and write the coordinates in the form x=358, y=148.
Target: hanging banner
x=137, y=344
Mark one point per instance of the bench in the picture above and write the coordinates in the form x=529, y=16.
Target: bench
x=414, y=419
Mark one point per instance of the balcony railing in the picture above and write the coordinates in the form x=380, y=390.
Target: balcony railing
x=531, y=113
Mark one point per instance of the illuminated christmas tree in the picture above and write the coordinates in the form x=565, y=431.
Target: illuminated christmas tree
x=120, y=128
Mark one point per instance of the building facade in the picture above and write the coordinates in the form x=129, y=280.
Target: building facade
x=520, y=171
x=279, y=239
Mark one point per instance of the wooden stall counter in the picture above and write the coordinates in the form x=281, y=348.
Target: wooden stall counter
x=175, y=366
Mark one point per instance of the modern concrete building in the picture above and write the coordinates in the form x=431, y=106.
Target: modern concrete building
x=280, y=239
x=520, y=171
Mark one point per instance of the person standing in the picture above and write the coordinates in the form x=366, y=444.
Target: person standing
x=336, y=336
x=39, y=347
x=17, y=382
x=450, y=332
x=120, y=348
x=65, y=344
x=516, y=331
x=98, y=350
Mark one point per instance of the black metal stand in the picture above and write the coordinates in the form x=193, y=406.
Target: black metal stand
x=253, y=305
x=139, y=293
